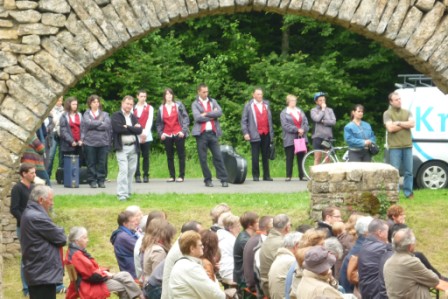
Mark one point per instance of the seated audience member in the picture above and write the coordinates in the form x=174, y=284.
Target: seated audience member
x=345, y=240
x=153, y=286
x=144, y=222
x=371, y=258
x=227, y=238
x=249, y=222
x=188, y=278
x=283, y=261
x=405, y=275
x=281, y=227
x=124, y=239
x=330, y=215
x=173, y=255
x=311, y=237
x=210, y=258
x=138, y=214
x=335, y=247
x=155, y=245
x=264, y=226
x=317, y=279
x=215, y=213
x=94, y=281
x=347, y=282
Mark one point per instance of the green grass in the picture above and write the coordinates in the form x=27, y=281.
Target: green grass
x=425, y=214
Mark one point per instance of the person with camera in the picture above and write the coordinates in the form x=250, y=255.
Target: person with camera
x=359, y=137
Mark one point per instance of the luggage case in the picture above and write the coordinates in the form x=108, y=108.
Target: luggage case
x=71, y=171
x=235, y=164
x=82, y=175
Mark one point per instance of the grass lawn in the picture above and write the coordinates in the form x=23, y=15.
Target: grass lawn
x=425, y=214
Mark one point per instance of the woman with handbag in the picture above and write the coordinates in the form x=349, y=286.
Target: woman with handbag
x=359, y=137
x=294, y=127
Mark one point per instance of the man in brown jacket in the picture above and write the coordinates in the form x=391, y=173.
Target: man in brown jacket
x=404, y=274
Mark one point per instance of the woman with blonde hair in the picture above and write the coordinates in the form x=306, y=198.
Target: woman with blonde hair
x=294, y=126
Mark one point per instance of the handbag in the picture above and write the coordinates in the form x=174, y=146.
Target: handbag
x=272, y=153
x=300, y=145
x=374, y=149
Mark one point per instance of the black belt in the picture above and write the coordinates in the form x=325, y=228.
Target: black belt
x=129, y=143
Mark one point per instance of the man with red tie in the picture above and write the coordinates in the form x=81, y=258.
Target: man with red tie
x=206, y=130
x=256, y=124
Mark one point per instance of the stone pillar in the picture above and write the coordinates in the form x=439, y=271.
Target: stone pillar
x=354, y=186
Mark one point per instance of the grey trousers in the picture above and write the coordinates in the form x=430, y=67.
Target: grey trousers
x=127, y=164
x=124, y=285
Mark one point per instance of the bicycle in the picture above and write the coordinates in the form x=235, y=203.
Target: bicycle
x=326, y=156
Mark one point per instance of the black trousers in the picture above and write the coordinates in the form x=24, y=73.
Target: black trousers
x=43, y=291
x=289, y=153
x=209, y=140
x=359, y=156
x=144, y=152
x=256, y=147
x=179, y=142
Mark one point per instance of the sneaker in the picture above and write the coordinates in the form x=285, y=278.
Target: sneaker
x=122, y=198
x=93, y=185
x=101, y=185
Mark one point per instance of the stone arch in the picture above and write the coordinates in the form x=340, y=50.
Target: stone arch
x=48, y=45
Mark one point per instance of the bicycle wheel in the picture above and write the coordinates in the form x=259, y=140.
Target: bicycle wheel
x=309, y=160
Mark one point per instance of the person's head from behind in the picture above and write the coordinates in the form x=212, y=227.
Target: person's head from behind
x=43, y=195
x=319, y=260
x=249, y=220
x=159, y=231
x=350, y=224
x=78, y=236
x=27, y=172
x=71, y=105
x=404, y=240
x=291, y=241
x=378, y=229
x=334, y=246
x=281, y=223
x=396, y=214
x=312, y=237
x=362, y=225
x=218, y=210
x=232, y=224
x=210, y=242
x=127, y=219
x=191, y=225
x=155, y=215
x=265, y=224
x=338, y=228
x=190, y=244
x=331, y=215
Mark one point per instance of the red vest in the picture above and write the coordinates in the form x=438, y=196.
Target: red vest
x=297, y=122
x=144, y=117
x=207, y=109
x=171, y=121
x=262, y=120
x=75, y=127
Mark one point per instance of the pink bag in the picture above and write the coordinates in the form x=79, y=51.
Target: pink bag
x=300, y=146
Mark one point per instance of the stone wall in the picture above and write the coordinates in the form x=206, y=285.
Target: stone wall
x=352, y=186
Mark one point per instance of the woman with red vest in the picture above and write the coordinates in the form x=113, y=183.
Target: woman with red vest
x=172, y=126
x=294, y=126
x=70, y=129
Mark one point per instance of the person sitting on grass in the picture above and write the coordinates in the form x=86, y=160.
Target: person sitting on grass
x=94, y=281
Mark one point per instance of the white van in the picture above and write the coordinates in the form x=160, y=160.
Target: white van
x=429, y=107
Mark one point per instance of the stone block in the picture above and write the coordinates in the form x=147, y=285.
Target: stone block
x=425, y=5
x=127, y=17
x=38, y=72
x=54, y=67
x=6, y=23
x=317, y=187
x=74, y=48
x=14, y=109
x=21, y=48
x=159, y=9
x=295, y=5
x=102, y=2
x=139, y=11
x=397, y=19
x=9, y=4
x=53, y=19
x=439, y=59
x=52, y=45
x=27, y=4
x=436, y=39
x=7, y=59
x=284, y=4
x=150, y=12
x=57, y=6
x=37, y=28
x=10, y=227
x=31, y=40
x=9, y=141
x=347, y=9
x=321, y=6
x=116, y=22
x=364, y=13
x=213, y=4
x=337, y=176
x=307, y=5
x=342, y=187
x=39, y=94
x=4, y=76
x=3, y=88
x=425, y=29
x=410, y=24
x=14, y=70
x=176, y=9
x=333, y=8
x=192, y=6
x=26, y=16
x=7, y=34
x=386, y=16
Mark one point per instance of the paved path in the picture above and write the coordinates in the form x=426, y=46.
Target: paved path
x=190, y=186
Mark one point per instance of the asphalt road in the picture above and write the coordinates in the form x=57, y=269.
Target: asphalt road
x=189, y=186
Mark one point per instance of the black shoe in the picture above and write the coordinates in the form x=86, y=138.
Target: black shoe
x=256, y=179
x=304, y=179
x=145, y=179
x=93, y=185
x=225, y=184
x=101, y=185
x=138, y=179
x=268, y=179
x=208, y=184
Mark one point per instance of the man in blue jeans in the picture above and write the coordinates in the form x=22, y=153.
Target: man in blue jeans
x=399, y=123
